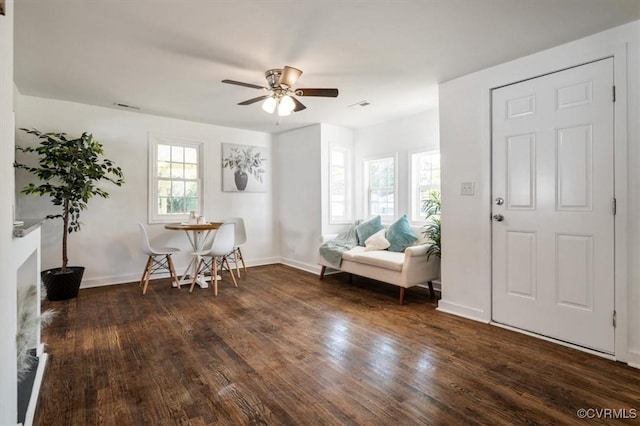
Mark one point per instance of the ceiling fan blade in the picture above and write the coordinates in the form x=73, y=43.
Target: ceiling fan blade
x=330, y=93
x=239, y=83
x=299, y=106
x=254, y=100
x=289, y=76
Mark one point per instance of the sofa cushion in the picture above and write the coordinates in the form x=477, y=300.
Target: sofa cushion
x=351, y=253
x=377, y=242
x=381, y=258
x=368, y=228
x=400, y=235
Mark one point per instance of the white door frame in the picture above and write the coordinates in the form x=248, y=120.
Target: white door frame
x=620, y=141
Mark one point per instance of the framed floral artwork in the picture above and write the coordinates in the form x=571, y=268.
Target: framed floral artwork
x=244, y=168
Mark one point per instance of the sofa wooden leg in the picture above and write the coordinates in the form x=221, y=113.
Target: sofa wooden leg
x=324, y=268
x=433, y=293
x=402, y=289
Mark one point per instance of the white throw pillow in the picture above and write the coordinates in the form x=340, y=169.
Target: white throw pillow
x=376, y=242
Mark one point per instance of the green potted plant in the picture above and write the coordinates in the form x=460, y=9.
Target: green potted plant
x=69, y=170
x=244, y=162
x=431, y=208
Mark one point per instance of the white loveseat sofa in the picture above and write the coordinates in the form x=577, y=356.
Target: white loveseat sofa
x=405, y=270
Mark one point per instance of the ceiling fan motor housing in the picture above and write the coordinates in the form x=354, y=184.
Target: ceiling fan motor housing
x=273, y=77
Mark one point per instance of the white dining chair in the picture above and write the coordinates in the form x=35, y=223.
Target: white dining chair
x=240, y=238
x=217, y=255
x=159, y=260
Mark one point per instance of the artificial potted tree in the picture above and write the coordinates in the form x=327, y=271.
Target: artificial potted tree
x=244, y=162
x=69, y=170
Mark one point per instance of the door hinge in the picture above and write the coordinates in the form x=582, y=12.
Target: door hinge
x=614, y=319
x=614, y=207
x=614, y=93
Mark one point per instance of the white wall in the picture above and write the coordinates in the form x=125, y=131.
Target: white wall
x=401, y=137
x=108, y=244
x=299, y=191
x=8, y=378
x=465, y=150
x=633, y=208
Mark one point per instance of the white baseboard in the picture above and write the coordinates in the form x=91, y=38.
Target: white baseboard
x=462, y=311
x=633, y=359
x=263, y=261
x=314, y=269
x=115, y=279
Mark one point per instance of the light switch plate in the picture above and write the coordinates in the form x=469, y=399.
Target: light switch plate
x=467, y=188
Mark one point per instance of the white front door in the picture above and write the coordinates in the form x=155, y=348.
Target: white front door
x=553, y=205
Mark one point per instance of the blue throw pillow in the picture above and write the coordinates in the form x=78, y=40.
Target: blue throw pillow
x=367, y=229
x=400, y=235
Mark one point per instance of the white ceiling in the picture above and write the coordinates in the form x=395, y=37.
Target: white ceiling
x=169, y=57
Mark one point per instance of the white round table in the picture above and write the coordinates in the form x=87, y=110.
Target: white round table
x=197, y=234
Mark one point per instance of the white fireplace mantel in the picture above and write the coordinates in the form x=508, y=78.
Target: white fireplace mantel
x=26, y=255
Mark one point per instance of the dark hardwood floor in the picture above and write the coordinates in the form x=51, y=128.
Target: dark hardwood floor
x=286, y=348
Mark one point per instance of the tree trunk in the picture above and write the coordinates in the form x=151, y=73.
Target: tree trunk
x=65, y=232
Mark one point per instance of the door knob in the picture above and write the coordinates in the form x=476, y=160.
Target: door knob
x=498, y=217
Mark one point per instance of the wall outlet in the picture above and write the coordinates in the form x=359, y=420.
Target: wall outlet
x=467, y=188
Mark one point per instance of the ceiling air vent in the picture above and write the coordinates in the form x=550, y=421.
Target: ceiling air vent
x=121, y=105
x=360, y=104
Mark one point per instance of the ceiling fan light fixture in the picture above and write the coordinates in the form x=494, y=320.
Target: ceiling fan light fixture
x=286, y=106
x=289, y=76
x=269, y=105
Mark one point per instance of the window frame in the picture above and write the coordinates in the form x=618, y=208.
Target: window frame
x=367, y=190
x=154, y=141
x=415, y=205
x=348, y=184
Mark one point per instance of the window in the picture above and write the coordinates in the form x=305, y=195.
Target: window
x=339, y=185
x=425, y=177
x=176, y=180
x=380, y=185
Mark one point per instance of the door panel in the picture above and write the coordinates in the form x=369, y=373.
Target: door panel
x=552, y=161
x=575, y=168
x=521, y=264
x=574, y=278
x=521, y=167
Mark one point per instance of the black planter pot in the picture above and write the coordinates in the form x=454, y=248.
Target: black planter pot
x=62, y=286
